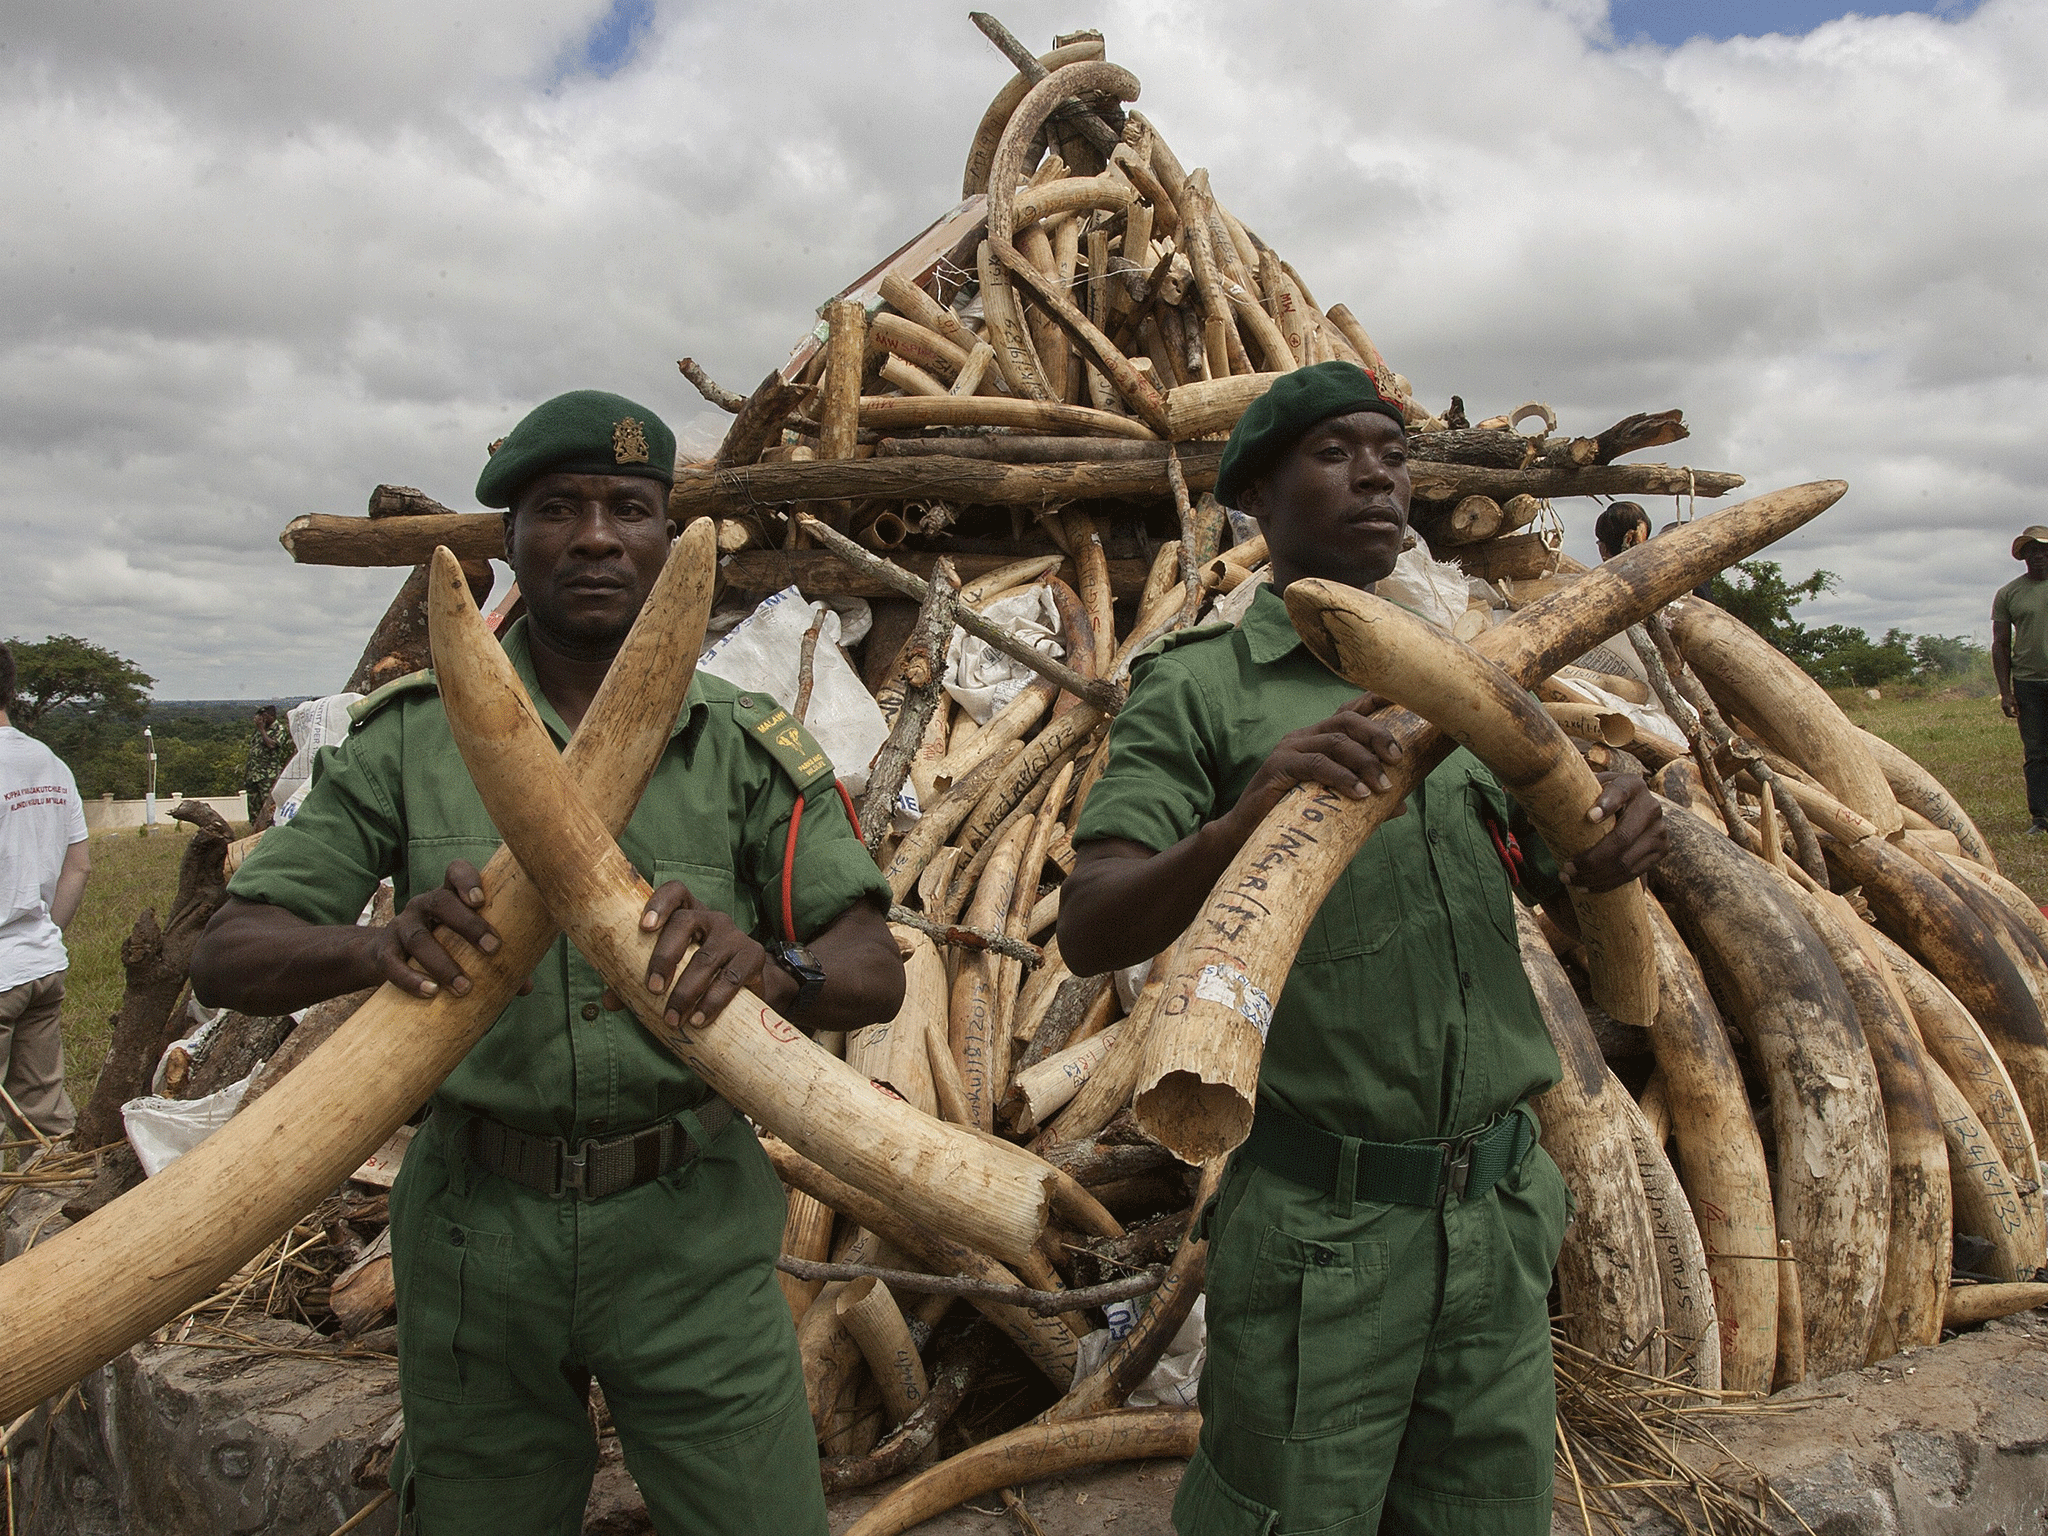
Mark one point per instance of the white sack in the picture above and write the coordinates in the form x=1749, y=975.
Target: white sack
x=163, y=1130
x=314, y=724
x=1174, y=1381
x=763, y=654
x=981, y=678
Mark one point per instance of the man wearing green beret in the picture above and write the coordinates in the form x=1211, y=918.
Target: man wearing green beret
x=1381, y=1245
x=578, y=1205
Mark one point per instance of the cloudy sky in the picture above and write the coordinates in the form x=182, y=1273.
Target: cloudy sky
x=258, y=259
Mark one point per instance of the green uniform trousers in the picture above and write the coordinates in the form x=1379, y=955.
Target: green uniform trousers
x=510, y=1302
x=1377, y=1368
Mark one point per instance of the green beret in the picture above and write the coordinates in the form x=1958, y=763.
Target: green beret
x=1280, y=417
x=585, y=432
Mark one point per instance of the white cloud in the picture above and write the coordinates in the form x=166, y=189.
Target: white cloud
x=255, y=268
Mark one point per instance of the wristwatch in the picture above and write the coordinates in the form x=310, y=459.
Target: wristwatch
x=803, y=965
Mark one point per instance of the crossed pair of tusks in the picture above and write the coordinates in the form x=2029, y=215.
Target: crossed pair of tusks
x=75, y=1302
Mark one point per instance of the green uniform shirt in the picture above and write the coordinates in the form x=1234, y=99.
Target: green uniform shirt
x=2023, y=603
x=269, y=750
x=394, y=799
x=1406, y=1014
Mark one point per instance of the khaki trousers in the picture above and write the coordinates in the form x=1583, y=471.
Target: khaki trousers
x=32, y=1057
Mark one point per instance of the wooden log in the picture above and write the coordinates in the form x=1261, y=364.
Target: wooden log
x=1749, y=677
x=713, y=392
x=1389, y=651
x=156, y=962
x=1607, y=1271
x=759, y=1061
x=1022, y=448
x=1453, y=482
x=1240, y=947
x=1832, y=1193
x=78, y=1300
x=1517, y=557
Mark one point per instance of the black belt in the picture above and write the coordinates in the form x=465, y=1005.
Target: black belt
x=593, y=1168
x=1430, y=1173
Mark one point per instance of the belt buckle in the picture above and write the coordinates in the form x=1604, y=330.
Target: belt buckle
x=573, y=1174
x=1457, y=1171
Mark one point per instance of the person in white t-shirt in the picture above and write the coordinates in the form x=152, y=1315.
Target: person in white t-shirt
x=43, y=865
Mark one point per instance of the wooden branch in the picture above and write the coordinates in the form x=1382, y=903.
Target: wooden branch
x=921, y=667
x=959, y=1364
x=883, y=412
x=1500, y=449
x=709, y=388
x=404, y=501
x=1020, y=448
x=322, y=539
x=962, y=937
x=1103, y=696
x=1454, y=482
x=957, y=480
x=1044, y=1303
x=1518, y=557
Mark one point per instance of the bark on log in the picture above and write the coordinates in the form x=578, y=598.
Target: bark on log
x=156, y=960
x=398, y=645
x=313, y=1031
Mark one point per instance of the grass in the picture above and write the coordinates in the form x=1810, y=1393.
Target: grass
x=129, y=872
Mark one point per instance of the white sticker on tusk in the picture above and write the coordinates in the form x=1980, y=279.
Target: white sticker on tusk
x=1234, y=989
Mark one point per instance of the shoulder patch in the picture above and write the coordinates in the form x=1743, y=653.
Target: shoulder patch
x=422, y=681
x=783, y=737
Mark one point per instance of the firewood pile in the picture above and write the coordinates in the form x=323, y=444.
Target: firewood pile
x=1801, y=1069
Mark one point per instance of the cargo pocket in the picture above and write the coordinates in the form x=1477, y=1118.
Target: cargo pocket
x=452, y=1344
x=1310, y=1334
x=1208, y=1506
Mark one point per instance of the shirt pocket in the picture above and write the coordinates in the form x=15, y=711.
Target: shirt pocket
x=1363, y=910
x=427, y=860
x=712, y=887
x=453, y=1344
x=1307, y=1335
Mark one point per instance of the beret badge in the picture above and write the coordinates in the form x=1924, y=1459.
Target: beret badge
x=629, y=442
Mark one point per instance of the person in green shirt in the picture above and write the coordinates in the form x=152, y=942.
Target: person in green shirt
x=578, y=1204
x=1381, y=1246
x=2019, y=660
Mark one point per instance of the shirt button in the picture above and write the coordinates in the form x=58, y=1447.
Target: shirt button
x=1435, y=837
x=1324, y=1256
x=590, y=1010
x=1465, y=979
x=455, y=1236
x=744, y=701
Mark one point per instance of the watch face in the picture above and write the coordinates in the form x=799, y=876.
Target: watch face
x=798, y=959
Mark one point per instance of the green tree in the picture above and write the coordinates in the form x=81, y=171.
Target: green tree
x=66, y=672
x=1764, y=600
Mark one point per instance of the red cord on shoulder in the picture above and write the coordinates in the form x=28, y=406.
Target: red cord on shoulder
x=796, y=818
x=851, y=814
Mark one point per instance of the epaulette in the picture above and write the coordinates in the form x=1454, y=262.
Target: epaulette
x=421, y=681
x=783, y=737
